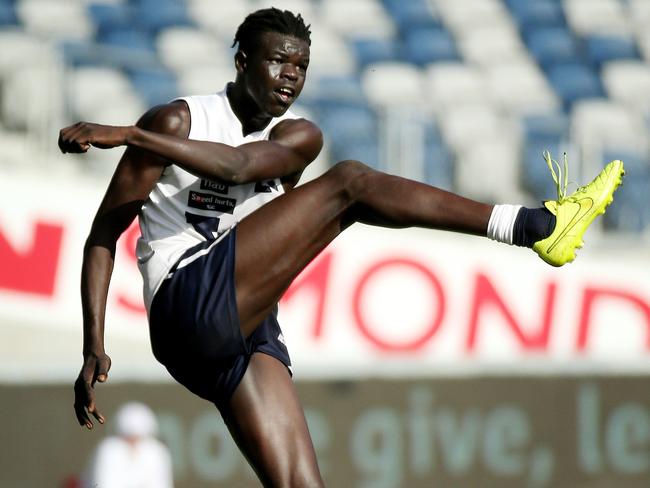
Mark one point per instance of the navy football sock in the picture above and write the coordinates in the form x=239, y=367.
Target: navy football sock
x=532, y=225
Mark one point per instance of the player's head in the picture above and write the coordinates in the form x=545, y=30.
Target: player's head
x=270, y=20
x=272, y=57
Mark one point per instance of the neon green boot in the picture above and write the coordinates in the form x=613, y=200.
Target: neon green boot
x=574, y=213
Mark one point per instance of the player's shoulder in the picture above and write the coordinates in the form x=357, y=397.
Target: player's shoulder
x=297, y=126
x=301, y=134
x=169, y=118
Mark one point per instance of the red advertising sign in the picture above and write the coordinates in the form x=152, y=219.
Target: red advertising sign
x=375, y=302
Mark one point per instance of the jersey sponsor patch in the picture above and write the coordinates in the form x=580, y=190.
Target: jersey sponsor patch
x=207, y=201
x=265, y=186
x=215, y=186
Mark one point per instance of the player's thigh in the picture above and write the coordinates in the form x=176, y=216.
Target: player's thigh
x=278, y=240
x=266, y=420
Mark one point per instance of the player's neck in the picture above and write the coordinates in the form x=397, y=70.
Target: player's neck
x=246, y=110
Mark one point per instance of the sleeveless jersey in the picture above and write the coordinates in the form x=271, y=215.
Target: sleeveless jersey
x=184, y=210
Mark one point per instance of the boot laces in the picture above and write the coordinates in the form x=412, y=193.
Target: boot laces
x=560, y=174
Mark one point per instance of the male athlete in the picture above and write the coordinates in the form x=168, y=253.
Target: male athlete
x=224, y=233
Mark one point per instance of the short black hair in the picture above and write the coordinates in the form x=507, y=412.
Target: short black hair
x=270, y=20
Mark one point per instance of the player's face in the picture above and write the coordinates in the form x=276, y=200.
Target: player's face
x=275, y=72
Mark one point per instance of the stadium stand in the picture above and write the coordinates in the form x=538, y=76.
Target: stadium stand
x=483, y=80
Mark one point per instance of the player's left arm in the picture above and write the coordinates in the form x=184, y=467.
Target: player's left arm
x=292, y=145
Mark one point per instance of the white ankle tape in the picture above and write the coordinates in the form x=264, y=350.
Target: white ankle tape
x=502, y=222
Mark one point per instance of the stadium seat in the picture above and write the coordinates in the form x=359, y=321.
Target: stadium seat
x=500, y=182
x=360, y=150
x=204, y=79
x=644, y=44
x=330, y=54
x=546, y=125
x=92, y=90
x=358, y=18
x=22, y=90
x=538, y=13
x=603, y=125
x=413, y=14
x=374, y=50
x=347, y=122
x=83, y=53
x=463, y=17
x=337, y=89
x=230, y=15
x=535, y=175
x=350, y=132
x=110, y=16
x=603, y=48
x=155, y=15
x=542, y=132
x=406, y=133
x=55, y=20
x=450, y=85
x=155, y=86
x=627, y=215
x=131, y=38
x=182, y=47
x=609, y=123
x=596, y=16
x=520, y=88
x=439, y=169
x=628, y=82
x=639, y=12
x=392, y=84
x=428, y=45
x=7, y=13
x=552, y=45
x=20, y=49
x=574, y=81
x=484, y=45
x=463, y=126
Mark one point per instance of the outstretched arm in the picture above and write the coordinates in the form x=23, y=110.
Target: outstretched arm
x=292, y=145
x=134, y=178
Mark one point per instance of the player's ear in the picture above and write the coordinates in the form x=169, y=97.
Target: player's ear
x=240, y=61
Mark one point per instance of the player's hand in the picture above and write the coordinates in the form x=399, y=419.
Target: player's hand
x=95, y=368
x=79, y=137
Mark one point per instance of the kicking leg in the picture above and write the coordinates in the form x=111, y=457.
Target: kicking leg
x=278, y=240
x=266, y=420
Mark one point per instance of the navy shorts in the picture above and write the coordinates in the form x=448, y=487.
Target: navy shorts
x=194, y=325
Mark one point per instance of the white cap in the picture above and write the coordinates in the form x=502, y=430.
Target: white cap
x=135, y=419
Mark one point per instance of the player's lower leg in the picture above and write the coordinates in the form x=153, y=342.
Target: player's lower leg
x=267, y=422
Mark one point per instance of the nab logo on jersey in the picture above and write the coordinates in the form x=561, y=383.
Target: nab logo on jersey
x=265, y=186
x=215, y=185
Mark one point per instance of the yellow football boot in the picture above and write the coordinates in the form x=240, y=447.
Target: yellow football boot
x=574, y=213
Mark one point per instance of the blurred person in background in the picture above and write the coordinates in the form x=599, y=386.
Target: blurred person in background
x=134, y=457
x=224, y=233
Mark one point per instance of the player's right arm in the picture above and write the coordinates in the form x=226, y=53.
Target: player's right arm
x=291, y=146
x=134, y=178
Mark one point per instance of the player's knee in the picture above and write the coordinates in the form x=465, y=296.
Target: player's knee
x=352, y=176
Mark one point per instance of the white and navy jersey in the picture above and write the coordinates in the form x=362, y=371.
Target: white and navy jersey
x=184, y=210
